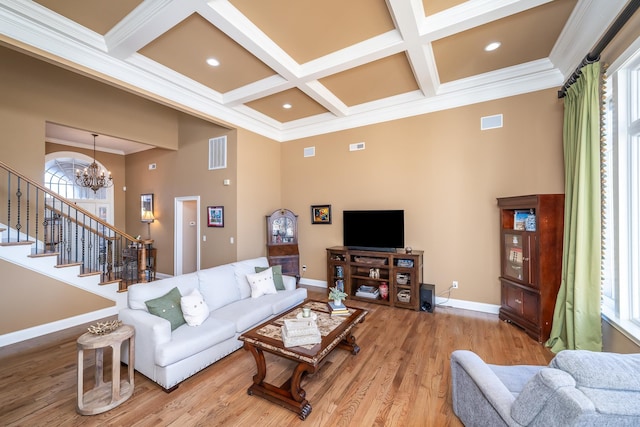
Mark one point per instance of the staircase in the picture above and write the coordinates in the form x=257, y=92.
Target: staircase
x=45, y=233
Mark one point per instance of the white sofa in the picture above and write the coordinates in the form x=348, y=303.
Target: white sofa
x=169, y=357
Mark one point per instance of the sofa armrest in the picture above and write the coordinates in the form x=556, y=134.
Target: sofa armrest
x=478, y=393
x=151, y=331
x=289, y=282
x=551, y=398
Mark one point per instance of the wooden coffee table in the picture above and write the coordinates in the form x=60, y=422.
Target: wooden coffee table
x=335, y=331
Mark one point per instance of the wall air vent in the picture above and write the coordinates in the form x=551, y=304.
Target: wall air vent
x=491, y=122
x=357, y=146
x=218, y=153
x=309, y=151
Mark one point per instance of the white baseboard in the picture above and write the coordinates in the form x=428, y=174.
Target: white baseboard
x=440, y=302
x=467, y=305
x=313, y=282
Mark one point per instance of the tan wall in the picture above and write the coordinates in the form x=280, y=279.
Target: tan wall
x=185, y=173
x=34, y=92
x=259, y=191
x=19, y=309
x=443, y=171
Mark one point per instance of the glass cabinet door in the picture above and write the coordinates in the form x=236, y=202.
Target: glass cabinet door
x=282, y=231
x=516, y=262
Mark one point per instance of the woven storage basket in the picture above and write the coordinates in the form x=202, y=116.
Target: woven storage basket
x=402, y=279
x=404, y=295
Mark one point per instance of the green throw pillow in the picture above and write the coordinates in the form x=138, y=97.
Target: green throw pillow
x=277, y=276
x=168, y=307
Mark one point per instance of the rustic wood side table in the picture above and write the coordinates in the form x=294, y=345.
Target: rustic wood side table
x=105, y=395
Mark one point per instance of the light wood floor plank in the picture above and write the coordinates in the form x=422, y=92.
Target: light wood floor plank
x=401, y=377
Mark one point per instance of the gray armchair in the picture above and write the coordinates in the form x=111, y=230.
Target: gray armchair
x=578, y=388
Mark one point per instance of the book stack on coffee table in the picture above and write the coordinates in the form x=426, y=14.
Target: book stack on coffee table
x=338, y=310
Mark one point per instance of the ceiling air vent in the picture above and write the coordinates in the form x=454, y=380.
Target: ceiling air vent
x=357, y=146
x=218, y=153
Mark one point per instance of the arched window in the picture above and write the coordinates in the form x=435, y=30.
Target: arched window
x=59, y=177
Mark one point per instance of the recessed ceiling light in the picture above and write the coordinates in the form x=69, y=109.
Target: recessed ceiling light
x=213, y=62
x=287, y=106
x=492, y=46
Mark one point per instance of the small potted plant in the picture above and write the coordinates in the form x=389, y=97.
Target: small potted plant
x=337, y=295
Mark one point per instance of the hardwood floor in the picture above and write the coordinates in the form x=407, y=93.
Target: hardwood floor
x=401, y=377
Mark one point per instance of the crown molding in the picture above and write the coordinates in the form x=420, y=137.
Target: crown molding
x=365, y=115
x=586, y=25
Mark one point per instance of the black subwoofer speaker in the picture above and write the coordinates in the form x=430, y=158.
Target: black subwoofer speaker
x=427, y=297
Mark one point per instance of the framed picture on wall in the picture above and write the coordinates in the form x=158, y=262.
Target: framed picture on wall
x=146, y=207
x=215, y=216
x=321, y=214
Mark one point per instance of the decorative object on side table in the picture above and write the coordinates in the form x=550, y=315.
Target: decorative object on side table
x=102, y=328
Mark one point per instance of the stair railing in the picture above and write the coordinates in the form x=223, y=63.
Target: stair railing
x=33, y=214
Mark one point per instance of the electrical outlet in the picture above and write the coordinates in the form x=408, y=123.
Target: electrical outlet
x=454, y=284
x=304, y=268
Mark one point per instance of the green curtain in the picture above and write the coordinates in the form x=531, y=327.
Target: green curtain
x=576, y=320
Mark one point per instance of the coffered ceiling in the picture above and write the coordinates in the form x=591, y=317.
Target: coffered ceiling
x=336, y=64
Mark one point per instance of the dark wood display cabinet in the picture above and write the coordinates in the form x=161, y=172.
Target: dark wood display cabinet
x=389, y=278
x=531, y=231
x=282, y=242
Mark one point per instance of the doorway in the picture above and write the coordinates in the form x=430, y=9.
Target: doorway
x=187, y=232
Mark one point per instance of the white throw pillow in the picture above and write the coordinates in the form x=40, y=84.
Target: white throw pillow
x=262, y=283
x=194, y=308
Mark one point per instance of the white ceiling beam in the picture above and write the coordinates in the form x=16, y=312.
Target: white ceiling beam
x=361, y=53
x=145, y=23
x=323, y=96
x=230, y=21
x=233, y=23
x=256, y=90
x=408, y=16
x=472, y=14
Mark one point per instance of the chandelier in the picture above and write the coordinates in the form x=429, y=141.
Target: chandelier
x=92, y=177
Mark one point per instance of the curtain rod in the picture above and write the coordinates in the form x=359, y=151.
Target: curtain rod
x=594, y=55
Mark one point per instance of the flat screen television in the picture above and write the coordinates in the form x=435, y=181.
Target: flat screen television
x=374, y=230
